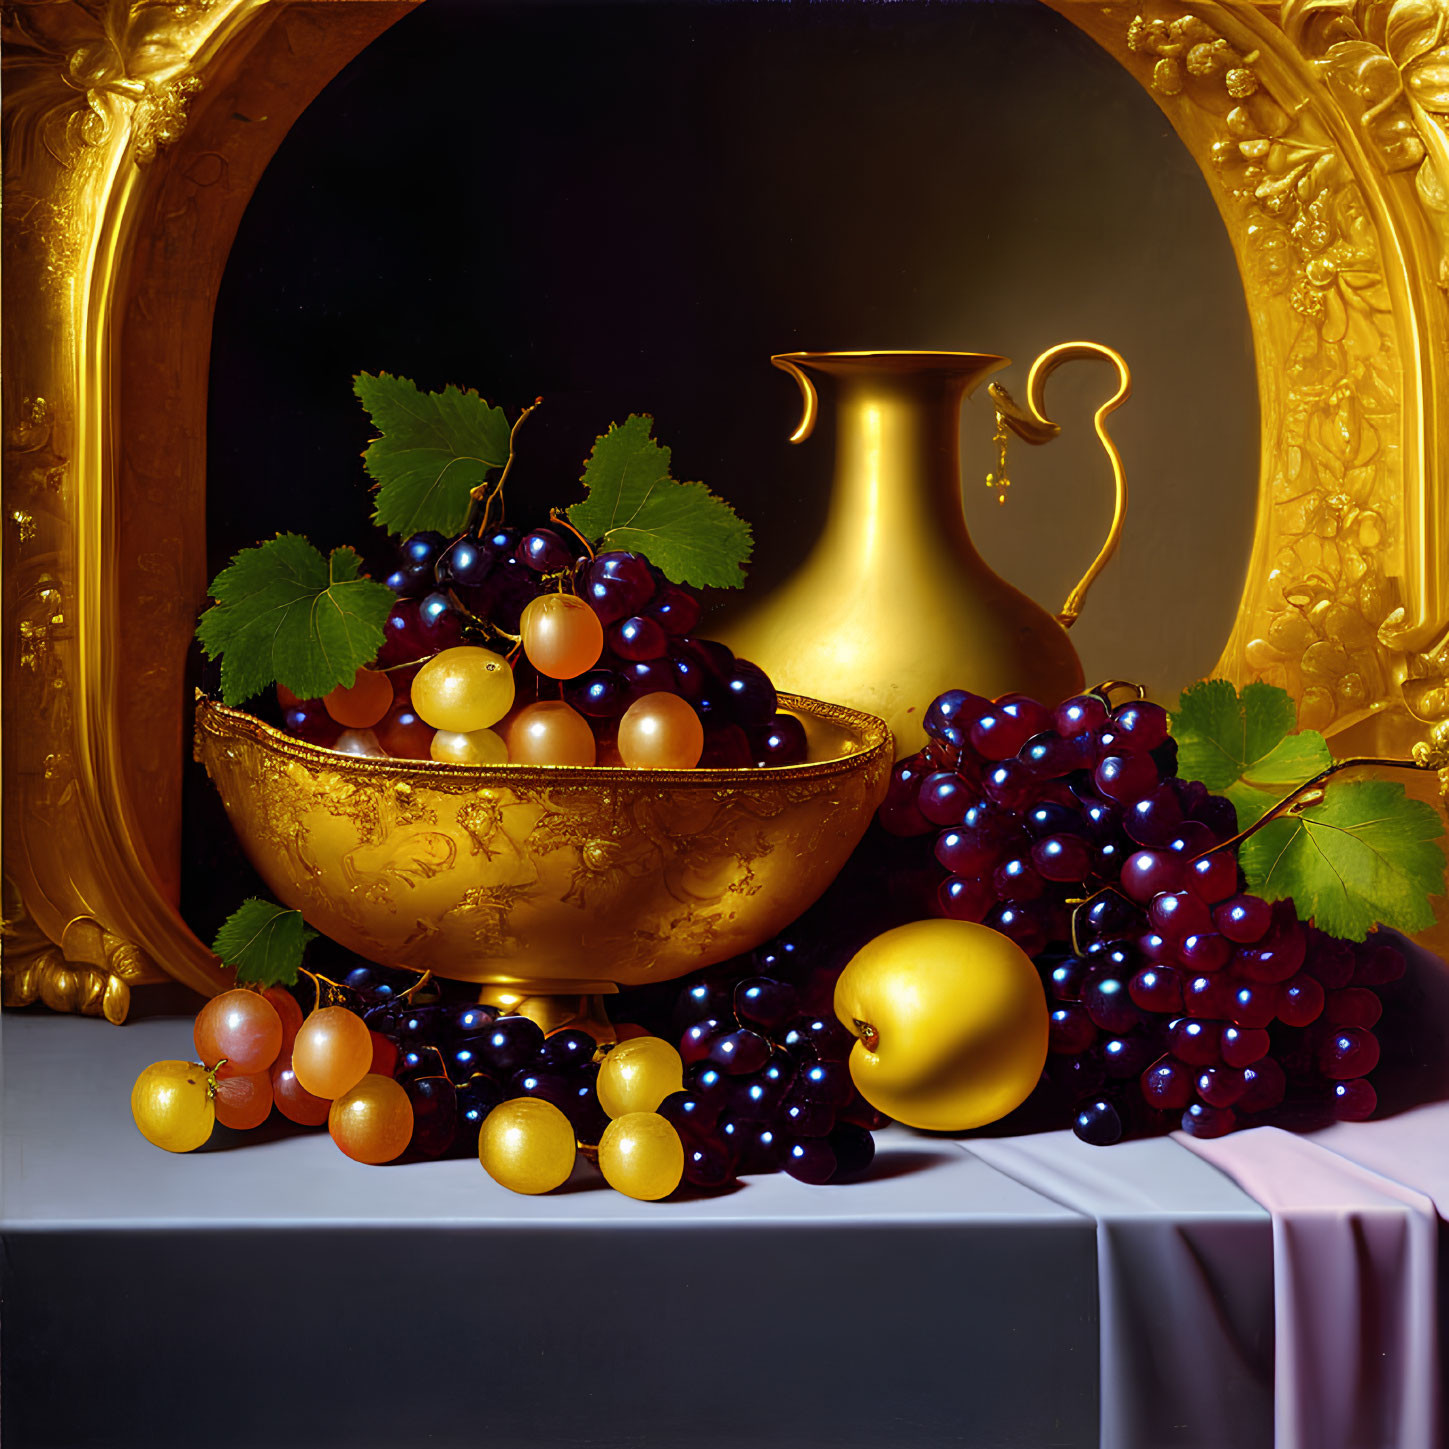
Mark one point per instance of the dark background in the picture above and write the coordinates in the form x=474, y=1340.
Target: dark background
x=629, y=207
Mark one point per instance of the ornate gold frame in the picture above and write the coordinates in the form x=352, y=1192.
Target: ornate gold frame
x=134, y=134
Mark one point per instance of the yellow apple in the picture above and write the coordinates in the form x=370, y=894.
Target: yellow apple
x=951, y=1022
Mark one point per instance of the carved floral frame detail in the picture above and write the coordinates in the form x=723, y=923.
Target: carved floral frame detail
x=134, y=134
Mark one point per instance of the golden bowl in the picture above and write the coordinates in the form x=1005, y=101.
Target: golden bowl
x=546, y=881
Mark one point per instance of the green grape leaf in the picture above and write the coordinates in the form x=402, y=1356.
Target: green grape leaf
x=1367, y=855
x=1242, y=745
x=691, y=536
x=435, y=448
x=1223, y=736
x=264, y=942
x=286, y=614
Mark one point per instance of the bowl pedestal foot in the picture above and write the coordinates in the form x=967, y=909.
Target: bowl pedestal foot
x=555, y=1005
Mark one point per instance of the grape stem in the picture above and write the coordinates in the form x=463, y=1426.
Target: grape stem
x=1310, y=793
x=556, y=515
x=1104, y=690
x=336, y=994
x=494, y=491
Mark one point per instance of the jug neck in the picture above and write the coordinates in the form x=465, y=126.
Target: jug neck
x=897, y=449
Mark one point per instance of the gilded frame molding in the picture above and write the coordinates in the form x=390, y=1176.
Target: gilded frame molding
x=134, y=133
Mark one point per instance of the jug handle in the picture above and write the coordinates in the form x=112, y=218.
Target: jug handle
x=808, y=395
x=1033, y=426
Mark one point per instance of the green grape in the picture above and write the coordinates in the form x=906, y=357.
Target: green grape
x=172, y=1103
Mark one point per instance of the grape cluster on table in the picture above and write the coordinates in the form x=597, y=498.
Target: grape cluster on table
x=1179, y=1000
x=473, y=589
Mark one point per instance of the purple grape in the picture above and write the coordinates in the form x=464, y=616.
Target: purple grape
x=1221, y=1086
x=1140, y=725
x=435, y=1114
x=739, y=1052
x=1157, y=989
x=945, y=797
x=809, y=1159
x=1265, y=1086
x=1242, y=1046
x=1016, y=880
x=965, y=851
x=951, y=716
x=476, y=1098
x=1351, y=1051
x=802, y=1118
x=1201, y=1120
x=1354, y=1100
x=1126, y=778
x=1155, y=821
x=1205, y=951
x=1148, y=873
x=1048, y=756
x=464, y=565
x=1167, y=1084
x=1208, y=996
x=1178, y=914
x=676, y=609
x=1009, y=784
x=827, y=1082
x=554, y=1087
x=826, y=1038
x=1128, y=1056
x=854, y=1150
x=598, y=694
x=763, y=1003
x=1352, y=1006
x=510, y=1046
x=1243, y=919
x=751, y=695
x=1301, y=1001
x=1194, y=1042
x=567, y=1050
x=1098, y=1123
x=1061, y=858
x=708, y=1164
x=1082, y=714
x=1068, y=978
x=544, y=551
x=1253, y=1004
x=688, y=1113
x=1110, y=1005
x=780, y=742
x=638, y=638
x=1070, y=1030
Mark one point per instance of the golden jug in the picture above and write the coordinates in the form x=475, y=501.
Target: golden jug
x=894, y=604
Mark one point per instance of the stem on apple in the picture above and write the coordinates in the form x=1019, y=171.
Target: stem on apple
x=868, y=1035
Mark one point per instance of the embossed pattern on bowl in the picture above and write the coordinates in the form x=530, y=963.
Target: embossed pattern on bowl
x=552, y=877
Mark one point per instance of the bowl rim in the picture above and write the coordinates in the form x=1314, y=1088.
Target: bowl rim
x=228, y=722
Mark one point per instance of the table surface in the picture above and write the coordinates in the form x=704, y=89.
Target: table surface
x=1024, y=1290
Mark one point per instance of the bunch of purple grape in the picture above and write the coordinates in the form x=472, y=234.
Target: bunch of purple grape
x=1177, y=1000
x=766, y=1083
x=454, y=591
x=459, y=1060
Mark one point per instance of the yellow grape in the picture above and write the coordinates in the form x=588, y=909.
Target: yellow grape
x=641, y=1155
x=562, y=636
x=373, y=1122
x=476, y=747
x=332, y=1052
x=550, y=733
x=463, y=689
x=527, y=1145
x=661, y=732
x=172, y=1105
x=637, y=1075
